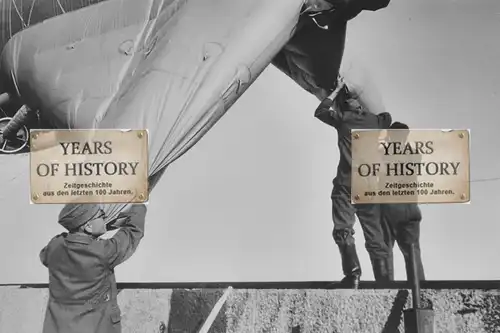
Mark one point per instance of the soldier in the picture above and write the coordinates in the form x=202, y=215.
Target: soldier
x=401, y=222
x=82, y=284
x=344, y=111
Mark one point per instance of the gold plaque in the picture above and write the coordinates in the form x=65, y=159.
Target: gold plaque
x=410, y=166
x=89, y=166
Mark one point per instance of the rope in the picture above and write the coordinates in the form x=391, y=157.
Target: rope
x=483, y=180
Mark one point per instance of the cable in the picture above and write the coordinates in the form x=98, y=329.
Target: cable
x=484, y=180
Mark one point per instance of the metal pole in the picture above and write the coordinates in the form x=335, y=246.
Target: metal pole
x=417, y=320
x=215, y=311
x=415, y=281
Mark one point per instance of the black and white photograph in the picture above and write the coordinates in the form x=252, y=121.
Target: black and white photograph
x=249, y=166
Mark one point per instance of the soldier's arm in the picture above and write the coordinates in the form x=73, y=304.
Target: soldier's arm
x=43, y=257
x=326, y=114
x=44, y=252
x=123, y=244
x=326, y=111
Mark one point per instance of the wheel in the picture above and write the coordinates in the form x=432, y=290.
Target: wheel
x=16, y=144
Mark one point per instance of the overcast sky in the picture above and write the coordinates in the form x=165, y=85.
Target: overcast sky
x=251, y=201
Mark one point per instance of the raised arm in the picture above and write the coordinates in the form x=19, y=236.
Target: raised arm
x=326, y=110
x=125, y=242
x=326, y=114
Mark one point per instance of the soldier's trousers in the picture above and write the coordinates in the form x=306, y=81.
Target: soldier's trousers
x=344, y=216
x=404, y=233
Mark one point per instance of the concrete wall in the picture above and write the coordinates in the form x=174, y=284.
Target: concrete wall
x=254, y=310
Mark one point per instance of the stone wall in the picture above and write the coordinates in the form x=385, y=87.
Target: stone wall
x=271, y=310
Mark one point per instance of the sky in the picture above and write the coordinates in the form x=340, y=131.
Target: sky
x=251, y=201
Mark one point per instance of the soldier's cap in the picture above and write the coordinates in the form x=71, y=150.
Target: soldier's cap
x=384, y=119
x=73, y=216
x=398, y=125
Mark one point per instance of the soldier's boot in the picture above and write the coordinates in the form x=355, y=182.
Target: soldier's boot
x=381, y=270
x=351, y=268
x=350, y=261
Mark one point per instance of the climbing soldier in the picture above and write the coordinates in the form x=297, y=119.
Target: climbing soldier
x=345, y=110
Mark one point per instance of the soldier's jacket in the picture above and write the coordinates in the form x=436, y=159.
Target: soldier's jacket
x=346, y=114
x=82, y=285
x=401, y=213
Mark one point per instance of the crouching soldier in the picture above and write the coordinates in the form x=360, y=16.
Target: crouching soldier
x=82, y=284
x=345, y=112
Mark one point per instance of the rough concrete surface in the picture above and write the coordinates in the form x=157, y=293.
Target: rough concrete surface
x=253, y=310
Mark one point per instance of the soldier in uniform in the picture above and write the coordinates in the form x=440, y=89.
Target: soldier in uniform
x=401, y=222
x=344, y=112
x=82, y=284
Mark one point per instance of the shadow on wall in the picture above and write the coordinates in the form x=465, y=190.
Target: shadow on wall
x=394, y=319
x=298, y=311
x=491, y=312
x=190, y=309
